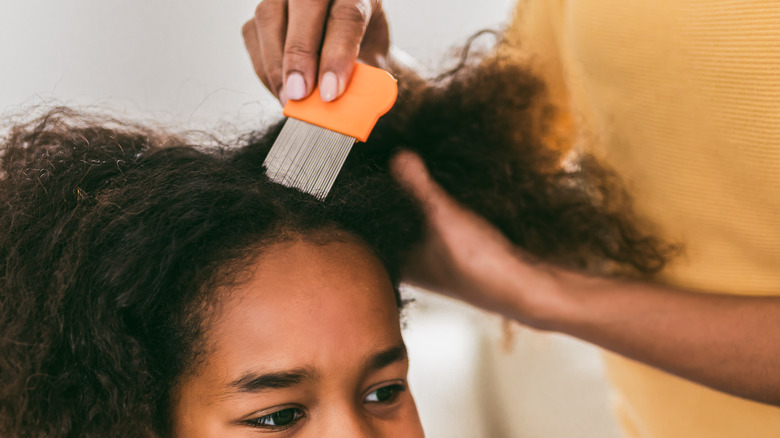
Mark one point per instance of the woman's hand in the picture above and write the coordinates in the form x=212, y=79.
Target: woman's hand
x=295, y=44
x=727, y=342
x=466, y=257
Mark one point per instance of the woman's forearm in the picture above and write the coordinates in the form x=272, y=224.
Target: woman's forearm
x=727, y=342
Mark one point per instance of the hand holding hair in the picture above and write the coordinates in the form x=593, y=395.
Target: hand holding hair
x=464, y=256
x=680, y=331
x=296, y=44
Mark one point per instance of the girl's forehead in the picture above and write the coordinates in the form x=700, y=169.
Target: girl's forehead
x=304, y=305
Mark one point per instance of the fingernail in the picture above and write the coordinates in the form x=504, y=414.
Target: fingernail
x=295, y=88
x=329, y=86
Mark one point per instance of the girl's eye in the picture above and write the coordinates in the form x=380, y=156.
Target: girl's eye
x=282, y=419
x=385, y=395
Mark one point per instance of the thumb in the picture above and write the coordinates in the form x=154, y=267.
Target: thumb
x=410, y=171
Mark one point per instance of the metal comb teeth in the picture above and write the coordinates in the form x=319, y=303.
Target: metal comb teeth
x=307, y=157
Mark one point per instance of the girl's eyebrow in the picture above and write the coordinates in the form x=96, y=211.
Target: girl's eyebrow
x=253, y=382
x=387, y=357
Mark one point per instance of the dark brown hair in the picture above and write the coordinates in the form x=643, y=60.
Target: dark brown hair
x=113, y=235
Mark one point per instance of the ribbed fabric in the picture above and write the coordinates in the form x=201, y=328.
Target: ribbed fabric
x=683, y=98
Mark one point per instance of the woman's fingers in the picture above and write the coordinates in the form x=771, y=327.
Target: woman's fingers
x=305, y=28
x=376, y=41
x=267, y=47
x=295, y=44
x=346, y=27
x=410, y=171
x=463, y=255
x=252, y=43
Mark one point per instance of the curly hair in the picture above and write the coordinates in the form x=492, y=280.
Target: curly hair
x=114, y=237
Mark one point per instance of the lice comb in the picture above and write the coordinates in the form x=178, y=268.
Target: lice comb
x=317, y=137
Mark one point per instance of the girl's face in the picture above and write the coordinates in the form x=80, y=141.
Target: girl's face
x=310, y=346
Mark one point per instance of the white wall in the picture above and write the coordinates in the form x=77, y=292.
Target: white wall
x=178, y=61
x=182, y=63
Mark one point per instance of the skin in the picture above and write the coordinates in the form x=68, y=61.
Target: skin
x=313, y=336
x=296, y=44
x=725, y=342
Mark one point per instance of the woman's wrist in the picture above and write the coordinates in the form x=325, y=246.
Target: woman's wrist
x=551, y=298
x=535, y=294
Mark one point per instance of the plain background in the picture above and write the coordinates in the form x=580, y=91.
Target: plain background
x=181, y=64
x=178, y=60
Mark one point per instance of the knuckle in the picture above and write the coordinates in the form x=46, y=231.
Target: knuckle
x=314, y=4
x=352, y=13
x=298, y=49
x=269, y=11
x=261, y=9
x=337, y=56
x=248, y=28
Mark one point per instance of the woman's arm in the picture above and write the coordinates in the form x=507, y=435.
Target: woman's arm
x=727, y=342
x=730, y=343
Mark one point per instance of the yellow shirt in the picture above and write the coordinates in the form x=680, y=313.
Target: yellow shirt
x=682, y=97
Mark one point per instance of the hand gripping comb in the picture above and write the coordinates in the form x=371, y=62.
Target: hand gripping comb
x=317, y=137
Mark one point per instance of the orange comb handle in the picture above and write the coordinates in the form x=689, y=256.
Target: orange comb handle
x=370, y=94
